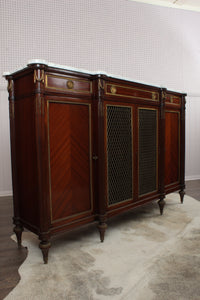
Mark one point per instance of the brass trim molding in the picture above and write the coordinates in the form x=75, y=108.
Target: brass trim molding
x=10, y=85
x=172, y=184
x=38, y=79
x=171, y=100
x=164, y=95
x=154, y=96
x=153, y=93
x=100, y=85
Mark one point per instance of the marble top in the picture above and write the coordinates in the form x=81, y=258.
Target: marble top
x=69, y=68
x=63, y=67
x=44, y=62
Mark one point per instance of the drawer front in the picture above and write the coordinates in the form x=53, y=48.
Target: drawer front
x=68, y=84
x=131, y=92
x=174, y=100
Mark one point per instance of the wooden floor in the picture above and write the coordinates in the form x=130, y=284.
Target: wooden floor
x=11, y=257
x=193, y=189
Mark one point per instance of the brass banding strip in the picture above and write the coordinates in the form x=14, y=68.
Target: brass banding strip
x=153, y=93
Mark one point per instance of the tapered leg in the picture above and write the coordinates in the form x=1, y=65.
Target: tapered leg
x=18, y=229
x=182, y=193
x=102, y=226
x=44, y=246
x=161, y=204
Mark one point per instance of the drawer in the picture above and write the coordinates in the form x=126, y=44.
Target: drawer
x=72, y=85
x=172, y=99
x=131, y=92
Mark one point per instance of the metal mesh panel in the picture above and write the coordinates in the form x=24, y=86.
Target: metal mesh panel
x=119, y=154
x=147, y=150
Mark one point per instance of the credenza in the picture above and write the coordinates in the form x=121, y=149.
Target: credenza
x=87, y=146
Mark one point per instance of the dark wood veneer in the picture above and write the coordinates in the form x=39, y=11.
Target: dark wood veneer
x=59, y=140
x=172, y=147
x=70, y=159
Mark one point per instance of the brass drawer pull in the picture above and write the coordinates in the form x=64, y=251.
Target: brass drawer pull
x=113, y=89
x=70, y=84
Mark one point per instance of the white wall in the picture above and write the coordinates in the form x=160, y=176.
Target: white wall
x=148, y=43
x=193, y=138
x=5, y=166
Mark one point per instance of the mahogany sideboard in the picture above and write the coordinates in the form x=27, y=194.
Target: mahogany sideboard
x=85, y=147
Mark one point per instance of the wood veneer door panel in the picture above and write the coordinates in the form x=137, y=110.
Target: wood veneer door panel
x=70, y=159
x=172, y=147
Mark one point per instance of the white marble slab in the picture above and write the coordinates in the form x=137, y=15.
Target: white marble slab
x=63, y=67
x=69, y=68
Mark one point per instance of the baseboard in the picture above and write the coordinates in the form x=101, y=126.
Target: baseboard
x=187, y=178
x=195, y=177
x=6, y=193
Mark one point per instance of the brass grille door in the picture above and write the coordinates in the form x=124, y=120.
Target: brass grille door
x=147, y=150
x=119, y=154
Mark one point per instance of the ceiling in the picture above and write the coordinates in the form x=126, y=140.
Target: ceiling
x=182, y=4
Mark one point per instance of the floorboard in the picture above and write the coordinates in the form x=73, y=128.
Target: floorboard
x=10, y=256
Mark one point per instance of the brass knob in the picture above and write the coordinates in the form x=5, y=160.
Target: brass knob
x=94, y=157
x=113, y=89
x=70, y=84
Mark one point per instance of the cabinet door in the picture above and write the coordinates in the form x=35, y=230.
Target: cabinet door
x=147, y=150
x=119, y=154
x=69, y=130
x=172, y=147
